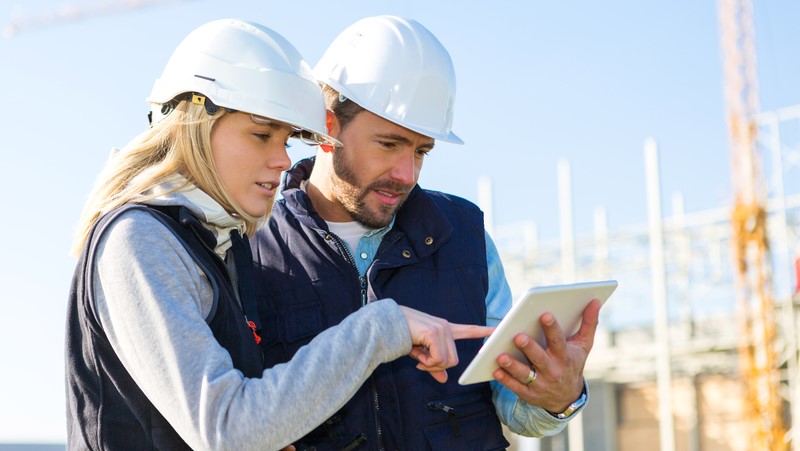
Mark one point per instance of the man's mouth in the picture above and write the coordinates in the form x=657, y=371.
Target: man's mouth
x=389, y=197
x=388, y=193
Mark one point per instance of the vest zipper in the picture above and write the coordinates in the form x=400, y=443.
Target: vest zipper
x=358, y=441
x=363, y=286
x=372, y=385
x=377, y=411
x=449, y=405
x=373, y=388
x=451, y=415
x=362, y=282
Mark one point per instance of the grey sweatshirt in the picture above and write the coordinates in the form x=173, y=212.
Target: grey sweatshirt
x=153, y=301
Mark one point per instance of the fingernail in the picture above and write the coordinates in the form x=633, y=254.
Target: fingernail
x=505, y=361
x=523, y=340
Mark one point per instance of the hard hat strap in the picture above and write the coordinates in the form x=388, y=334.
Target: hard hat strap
x=195, y=98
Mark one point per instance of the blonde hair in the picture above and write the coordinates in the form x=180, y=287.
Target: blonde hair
x=178, y=144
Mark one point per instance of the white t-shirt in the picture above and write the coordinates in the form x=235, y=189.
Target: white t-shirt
x=350, y=232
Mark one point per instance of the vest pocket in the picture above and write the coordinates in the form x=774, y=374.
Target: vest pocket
x=283, y=333
x=291, y=315
x=478, y=432
x=302, y=322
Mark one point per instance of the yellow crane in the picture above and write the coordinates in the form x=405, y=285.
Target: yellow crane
x=758, y=359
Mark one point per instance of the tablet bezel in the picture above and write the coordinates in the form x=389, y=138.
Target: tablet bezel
x=565, y=302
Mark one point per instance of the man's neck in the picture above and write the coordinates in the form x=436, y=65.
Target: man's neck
x=321, y=195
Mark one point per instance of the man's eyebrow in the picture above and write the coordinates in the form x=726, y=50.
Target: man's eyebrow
x=401, y=139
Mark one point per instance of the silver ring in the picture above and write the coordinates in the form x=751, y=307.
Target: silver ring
x=531, y=377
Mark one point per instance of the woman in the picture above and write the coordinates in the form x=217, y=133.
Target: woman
x=162, y=340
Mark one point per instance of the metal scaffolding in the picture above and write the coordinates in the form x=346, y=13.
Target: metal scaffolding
x=699, y=332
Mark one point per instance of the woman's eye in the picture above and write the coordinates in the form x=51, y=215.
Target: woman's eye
x=263, y=137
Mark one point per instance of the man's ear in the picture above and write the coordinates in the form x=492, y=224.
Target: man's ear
x=332, y=124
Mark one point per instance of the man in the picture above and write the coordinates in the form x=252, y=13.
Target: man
x=354, y=227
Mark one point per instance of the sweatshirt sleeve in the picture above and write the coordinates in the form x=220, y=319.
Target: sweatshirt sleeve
x=152, y=301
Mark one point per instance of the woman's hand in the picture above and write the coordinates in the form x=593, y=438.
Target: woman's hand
x=434, y=338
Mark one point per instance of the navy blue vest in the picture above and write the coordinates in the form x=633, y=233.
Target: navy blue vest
x=433, y=260
x=105, y=407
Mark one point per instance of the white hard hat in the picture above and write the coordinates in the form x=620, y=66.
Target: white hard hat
x=397, y=69
x=246, y=67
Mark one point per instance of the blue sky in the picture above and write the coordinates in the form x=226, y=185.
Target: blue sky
x=537, y=81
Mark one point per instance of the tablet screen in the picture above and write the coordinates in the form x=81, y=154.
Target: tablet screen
x=565, y=302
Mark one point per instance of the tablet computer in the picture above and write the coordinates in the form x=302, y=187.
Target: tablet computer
x=565, y=302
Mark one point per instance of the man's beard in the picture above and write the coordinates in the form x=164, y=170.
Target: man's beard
x=353, y=199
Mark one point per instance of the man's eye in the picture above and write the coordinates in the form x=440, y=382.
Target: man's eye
x=423, y=152
x=263, y=137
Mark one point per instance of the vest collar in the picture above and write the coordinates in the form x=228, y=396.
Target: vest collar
x=420, y=220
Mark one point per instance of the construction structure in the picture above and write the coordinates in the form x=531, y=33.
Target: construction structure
x=708, y=408
x=752, y=261
x=753, y=346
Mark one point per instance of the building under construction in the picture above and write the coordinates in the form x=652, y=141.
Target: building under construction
x=667, y=369
x=699, y=349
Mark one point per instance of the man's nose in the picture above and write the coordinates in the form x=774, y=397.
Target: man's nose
x=405, y=168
